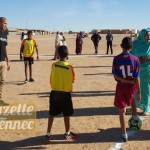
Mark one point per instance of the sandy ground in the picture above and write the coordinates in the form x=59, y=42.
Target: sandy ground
x=95, y=119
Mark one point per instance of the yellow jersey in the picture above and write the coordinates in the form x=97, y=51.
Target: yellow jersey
x=29, y=45
x=62, y=76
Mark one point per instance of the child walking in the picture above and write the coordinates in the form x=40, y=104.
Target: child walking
x=27, y=49
x=126, y=72
x=61, y=78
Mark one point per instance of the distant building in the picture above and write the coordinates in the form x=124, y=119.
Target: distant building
x=12, y=31
x=18, y=31
x=113, y=31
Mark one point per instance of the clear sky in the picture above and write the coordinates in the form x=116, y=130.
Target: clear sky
x=76, y=15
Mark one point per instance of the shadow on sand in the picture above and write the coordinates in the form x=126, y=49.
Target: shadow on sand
x=101, y=136
x=77, y=93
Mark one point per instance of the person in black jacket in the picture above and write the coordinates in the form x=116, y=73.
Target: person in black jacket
x=96, y=38
x=4, y=63
x=109, y=38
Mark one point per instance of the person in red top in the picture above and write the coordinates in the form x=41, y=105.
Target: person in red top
x=27, y=49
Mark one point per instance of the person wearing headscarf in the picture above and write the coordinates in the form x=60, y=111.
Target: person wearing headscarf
x=141, y=49
x=79, y=43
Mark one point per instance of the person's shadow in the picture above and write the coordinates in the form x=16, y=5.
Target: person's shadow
x=37, y=142
x=101, y=136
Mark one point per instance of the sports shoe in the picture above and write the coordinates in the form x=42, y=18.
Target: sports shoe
x=123, y=138
x=31, y=80
x=53, y=59
x=47, y=138
x=95, y=53
x=145, y=113
x=26, y=80
x=70, y=136
x=2, y=103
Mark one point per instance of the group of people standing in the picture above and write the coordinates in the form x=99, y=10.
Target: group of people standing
x=127, y=69
x=59, y=41
x=95, y=39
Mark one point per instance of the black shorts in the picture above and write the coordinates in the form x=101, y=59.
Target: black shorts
x=28, y=60
x=61, y=102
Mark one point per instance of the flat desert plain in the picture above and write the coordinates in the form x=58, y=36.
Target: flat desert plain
x=95, y=119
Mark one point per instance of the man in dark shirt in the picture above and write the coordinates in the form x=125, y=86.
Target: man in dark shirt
x=3, y=55
x=109, y=38
x=96, y=38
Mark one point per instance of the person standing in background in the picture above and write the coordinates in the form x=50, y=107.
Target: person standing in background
x=58, y=42
x=109, y=38
x=64, y=39
x=27, y=54
x=23, y=36
x=79, y=43
x=96, y=38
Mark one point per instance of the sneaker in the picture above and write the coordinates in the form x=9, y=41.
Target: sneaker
x=123, y=139
x=47, y=138
x=26, y=80
x=31, y=80
x=70, y=136
x=145, y=113
x=2, y=103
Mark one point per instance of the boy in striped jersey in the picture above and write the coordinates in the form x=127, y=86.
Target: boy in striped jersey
x=125, y=69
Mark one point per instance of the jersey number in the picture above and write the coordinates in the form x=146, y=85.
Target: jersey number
x=122, y=68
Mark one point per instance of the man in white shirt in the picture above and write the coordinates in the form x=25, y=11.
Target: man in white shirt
x=58, y=42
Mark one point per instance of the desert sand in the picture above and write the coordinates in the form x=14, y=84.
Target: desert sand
x=95, y=119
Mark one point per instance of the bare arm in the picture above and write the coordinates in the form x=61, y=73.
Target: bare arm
x=21, y=51
x=8, y=66
x=37, y=52
x=124, y=80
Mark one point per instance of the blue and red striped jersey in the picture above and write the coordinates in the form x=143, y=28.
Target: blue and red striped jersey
x=126, y=65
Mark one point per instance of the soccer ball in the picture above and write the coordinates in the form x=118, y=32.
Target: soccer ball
x=135, y=124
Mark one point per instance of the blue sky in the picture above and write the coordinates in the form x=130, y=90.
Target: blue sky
x=76, y=15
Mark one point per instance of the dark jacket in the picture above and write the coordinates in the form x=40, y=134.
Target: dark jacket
x=109, y=37
x=95, y=38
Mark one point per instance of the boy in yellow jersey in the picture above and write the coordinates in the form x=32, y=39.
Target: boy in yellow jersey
x=27, y=49
x=61, y=78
